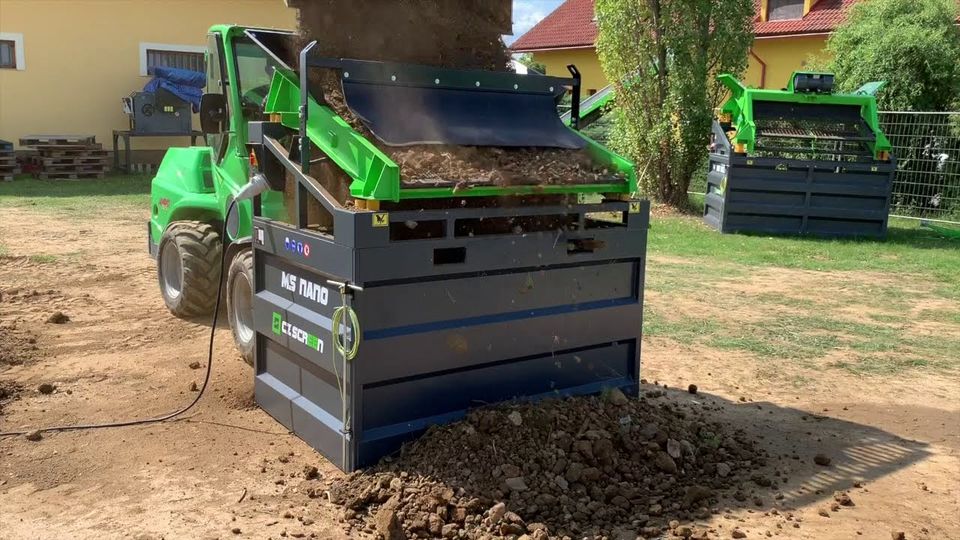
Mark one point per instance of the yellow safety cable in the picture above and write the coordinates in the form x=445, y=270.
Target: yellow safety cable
x=344, y=311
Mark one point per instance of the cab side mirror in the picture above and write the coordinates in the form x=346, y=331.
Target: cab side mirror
x=213, y=113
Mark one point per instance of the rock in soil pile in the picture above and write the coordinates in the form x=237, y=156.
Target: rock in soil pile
x=464, y=34
x=582, y=467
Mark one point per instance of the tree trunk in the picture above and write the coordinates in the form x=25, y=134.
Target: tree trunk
x=673, y=193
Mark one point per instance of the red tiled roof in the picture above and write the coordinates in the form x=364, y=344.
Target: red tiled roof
x=823, y=18
x=570, y=25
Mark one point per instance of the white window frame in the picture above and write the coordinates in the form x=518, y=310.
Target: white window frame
x=17, y=40
x=171, y=47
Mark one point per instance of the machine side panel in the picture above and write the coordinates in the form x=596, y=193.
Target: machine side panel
x=436, y=340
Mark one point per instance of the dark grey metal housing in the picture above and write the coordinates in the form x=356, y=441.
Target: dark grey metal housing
x=151, y=115
x=451, y=315
x=788, y=196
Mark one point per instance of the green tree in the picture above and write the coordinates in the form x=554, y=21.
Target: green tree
x=527, y=60
x=914, y=45
x=663, y=56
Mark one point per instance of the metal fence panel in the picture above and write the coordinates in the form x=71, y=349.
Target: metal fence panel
x=927, y=147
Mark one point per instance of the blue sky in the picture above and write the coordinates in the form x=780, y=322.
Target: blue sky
x=527, y=13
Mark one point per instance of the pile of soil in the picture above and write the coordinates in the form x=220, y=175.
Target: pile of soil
x=465, y=34
x=454, y=34
x=583, y=467
x=17, y=346
x=498, y=166
x=8, y=392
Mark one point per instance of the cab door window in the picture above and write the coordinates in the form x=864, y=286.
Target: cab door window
x=216, y=85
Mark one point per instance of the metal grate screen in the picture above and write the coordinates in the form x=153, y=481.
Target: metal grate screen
x=176, y=59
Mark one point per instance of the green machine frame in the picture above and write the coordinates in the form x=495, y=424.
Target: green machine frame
x=739, y=109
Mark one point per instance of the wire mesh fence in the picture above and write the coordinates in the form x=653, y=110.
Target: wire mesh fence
x=927, y=148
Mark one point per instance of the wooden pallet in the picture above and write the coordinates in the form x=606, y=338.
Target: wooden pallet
x=67, y=175
x=50, y=162
x=74, y=168
x=63, y=151
x=58, y=140
x=67, y=147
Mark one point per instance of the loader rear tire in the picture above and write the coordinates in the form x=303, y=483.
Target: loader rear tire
x=240, y=303
x=188, y=268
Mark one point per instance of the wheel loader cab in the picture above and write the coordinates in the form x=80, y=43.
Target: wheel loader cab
x=194, y=187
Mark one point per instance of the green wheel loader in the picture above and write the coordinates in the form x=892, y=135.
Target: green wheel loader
x=194, y=186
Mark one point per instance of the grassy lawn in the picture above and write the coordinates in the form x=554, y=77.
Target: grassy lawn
x=862, y=306
x=124, y=192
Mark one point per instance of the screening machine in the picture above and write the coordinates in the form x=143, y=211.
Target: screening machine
x=371, y=316
x=803, y=160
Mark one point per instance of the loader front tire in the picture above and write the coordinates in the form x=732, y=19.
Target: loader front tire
x=188, y=268
x=240, y=303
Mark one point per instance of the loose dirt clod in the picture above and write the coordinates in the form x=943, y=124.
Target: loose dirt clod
x=578, y=467
x=898, y=535
x=843, y=498
x=692, y=389
x=58, y=317
x=46, y=388
x=34, y=436
x=822, y=460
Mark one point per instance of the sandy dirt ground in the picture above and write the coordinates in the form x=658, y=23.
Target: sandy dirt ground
x=228, y=470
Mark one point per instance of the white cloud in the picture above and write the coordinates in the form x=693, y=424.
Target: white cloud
x=527, y=13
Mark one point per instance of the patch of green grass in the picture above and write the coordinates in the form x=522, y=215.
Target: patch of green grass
x=112, y=192
x=777, y=339
x=885, y=318
x=908, y=249
x=683, y=330
x=787, y=301
x=887, y=365
x=43, y=259
x=941, y=315
x=808, y=335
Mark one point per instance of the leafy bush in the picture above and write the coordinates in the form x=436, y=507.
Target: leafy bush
x=914, y=45
x=663, y=57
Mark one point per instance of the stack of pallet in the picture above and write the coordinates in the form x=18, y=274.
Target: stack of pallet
x=67, y=156
x=8, y=161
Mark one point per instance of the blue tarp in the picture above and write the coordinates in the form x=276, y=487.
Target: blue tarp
x=183, y=83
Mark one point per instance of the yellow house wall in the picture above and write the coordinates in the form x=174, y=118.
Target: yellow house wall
x=586, y=61
x=782, y=57
x=82, y=56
